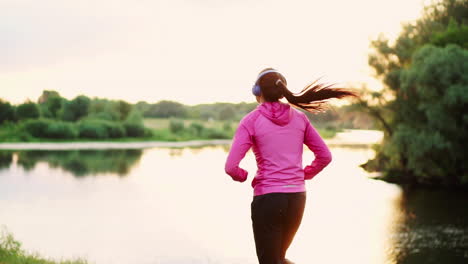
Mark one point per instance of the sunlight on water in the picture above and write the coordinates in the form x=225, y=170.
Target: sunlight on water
x=176, y=206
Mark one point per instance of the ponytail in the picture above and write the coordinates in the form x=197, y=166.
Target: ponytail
x=314, y=96
x=273, y=86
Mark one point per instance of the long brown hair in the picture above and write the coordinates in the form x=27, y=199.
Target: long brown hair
x=312, y=98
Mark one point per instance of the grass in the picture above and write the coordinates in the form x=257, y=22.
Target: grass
x=163, y=123
x=327, y=132
x=12, y=253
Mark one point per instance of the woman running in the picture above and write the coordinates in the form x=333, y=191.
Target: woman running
x=276, y=133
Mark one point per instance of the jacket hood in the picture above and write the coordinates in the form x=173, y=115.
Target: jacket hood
x=279, y=113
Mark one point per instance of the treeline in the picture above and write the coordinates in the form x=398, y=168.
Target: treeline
x=347, y=116
x=422, y=108
x=55, y=117
x=215, y=111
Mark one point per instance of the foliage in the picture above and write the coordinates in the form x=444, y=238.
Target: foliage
x=99, y=119
x=166, y=109
x=47, y=128
x=93, y=129
x=436, y=134
x=455, y=34
x=176, y=126
x=134, y=126
x=103, y=109
x=115, y=129
x=7, y=112
x=75, y=109
x=51, y=103
x=123, y=108
x=227, y=112
x=62, y=130
x=214, y=133
x=36, y=127
x=6, y=158
x=421, y=106
x=12, y=253
x=221, y=111
x=11, y=132
x=135, y=129
x=27, y=110
x=196, y=128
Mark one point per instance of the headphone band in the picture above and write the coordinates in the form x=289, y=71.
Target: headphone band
x=264, y=73
x=256, y=88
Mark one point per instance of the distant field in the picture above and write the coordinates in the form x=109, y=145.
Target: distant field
x=163, y=123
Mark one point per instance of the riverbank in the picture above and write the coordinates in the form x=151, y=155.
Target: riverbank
x=11, y=252
x=151, y=130
x=347, y=138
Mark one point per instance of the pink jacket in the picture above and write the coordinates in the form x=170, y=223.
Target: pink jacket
x=276, y=133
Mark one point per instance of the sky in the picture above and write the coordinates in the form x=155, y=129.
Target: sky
x=190, y=51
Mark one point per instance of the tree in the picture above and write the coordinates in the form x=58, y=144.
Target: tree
x=413, y=108
x=123, y=108
x=103, y=109
x=433, y=129
x=27, y=110
x=51, y=102
x=46, y=95
x=7, y=111
x=167, y=109
x=76, y=108
x=227, y=112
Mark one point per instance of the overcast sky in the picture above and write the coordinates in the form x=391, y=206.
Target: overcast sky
x=191, y=51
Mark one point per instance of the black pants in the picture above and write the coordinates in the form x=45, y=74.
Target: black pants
x=275, y=220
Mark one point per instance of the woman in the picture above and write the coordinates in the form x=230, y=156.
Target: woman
x=276, y=133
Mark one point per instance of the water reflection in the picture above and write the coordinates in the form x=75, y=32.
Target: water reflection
x=177, y=206
x=433, y=229
x=6, y=158
x=80, y=163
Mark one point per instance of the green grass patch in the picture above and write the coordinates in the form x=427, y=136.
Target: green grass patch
x=12, y=253
x=164, y=123
x=328, y=132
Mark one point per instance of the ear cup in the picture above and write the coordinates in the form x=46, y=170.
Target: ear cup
x=256, y=90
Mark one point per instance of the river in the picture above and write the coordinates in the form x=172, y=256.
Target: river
x=173, y=204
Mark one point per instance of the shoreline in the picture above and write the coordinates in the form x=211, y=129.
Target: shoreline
x=348, y=138
x=111, y=145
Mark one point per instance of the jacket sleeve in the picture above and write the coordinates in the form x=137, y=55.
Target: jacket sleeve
x=316, y=144
x=241, y=143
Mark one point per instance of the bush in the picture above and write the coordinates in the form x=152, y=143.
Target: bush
x=103, y=116
x=213, y=133
x=133, y=129
x=36, y=127
x=176, y=126
x=196, y=128
x=227, y=127
x=93, y=129
x=115, y=130
x=62, y=130
x=10, y=132
x=28, y=110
